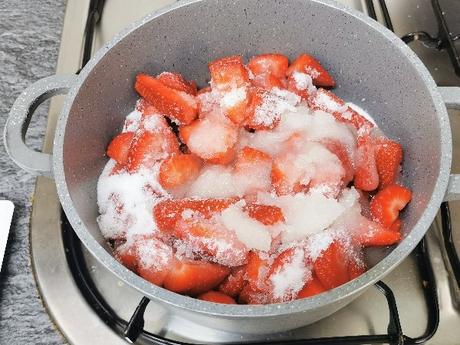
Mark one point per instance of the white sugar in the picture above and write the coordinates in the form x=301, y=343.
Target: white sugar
x=252, y=233
x=304, y=81
x=327, y=102
x=288, y=281
x=233, y=97
x=213, y=182
x=154, y=254
x=361, y=112
x=274, y=104
x=126, y=200
x=132, y=121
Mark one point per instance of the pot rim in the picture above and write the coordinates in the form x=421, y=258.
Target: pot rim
x=162, y=295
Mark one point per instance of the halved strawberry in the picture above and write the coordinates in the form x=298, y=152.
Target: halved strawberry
x=307, y=64
x=311, y=288
x=150, y=146
x=387, y=203
x=168, y=212
x=178, y=170
x=178, y=82
x=366, y=175
x=228, y=72
x=210, y=139
x=331, y=267
x=216, y=297
x=154, y=259
x=118, y=148
x=266, y=214
x=193, y=277
x=177, y=105
x=234, y=283
x=273, y=64
x=388, y=158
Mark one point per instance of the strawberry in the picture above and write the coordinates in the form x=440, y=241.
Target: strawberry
x=204, y=90
x=118, y=148
x=210, y=139
x=273, y=64
x=211, y=239
x=387, y=203
x=253, y=168
x=331, y=267
x=178, y=170
x=224, y=158
x=154, y=259
x=268, y=81
x=177, y=105
x=366, y=175
x=381, y=237
x=266, y=214
x=355, y=268
x=234, y=283
x=388, y=158
x=126, y=254
x=258, y=116
x=337, y=148
x=301, y=85
x=228, y=72
x=216, y=297
x=145, y=108
x=234, y=104
x=396, y=226
x=312, y=287
x=168, y=212
x=329, y=102
x=178, y=82
x=307, y=64
x=149, y=146
x=193, y=277
x=256, y=271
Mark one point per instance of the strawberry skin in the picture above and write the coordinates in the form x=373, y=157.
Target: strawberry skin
x=228, y=72
x=178, y=170
x=388, y=158
x=388, y=202
x=178, y=82
x=273, y=64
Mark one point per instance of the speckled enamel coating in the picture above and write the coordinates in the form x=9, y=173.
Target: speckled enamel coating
x=372, y=67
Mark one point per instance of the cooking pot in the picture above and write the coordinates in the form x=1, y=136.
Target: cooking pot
x=372, y=67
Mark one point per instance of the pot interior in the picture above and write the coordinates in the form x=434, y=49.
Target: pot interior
x=368, y=68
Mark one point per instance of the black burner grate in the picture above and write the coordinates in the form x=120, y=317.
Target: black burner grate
x=133, y=330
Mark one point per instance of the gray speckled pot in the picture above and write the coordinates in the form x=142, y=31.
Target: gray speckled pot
x=372, y=67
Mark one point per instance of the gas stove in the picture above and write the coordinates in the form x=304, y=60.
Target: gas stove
x=417, y=303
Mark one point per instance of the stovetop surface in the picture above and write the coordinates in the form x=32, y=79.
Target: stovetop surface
x=366, y=315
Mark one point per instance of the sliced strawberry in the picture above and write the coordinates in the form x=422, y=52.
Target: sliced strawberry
x=266, y=214
x=177, y=105
x=154, y=260
x=331, y=267
x=256, y=271
x=178, y=82
x=228, y=72
x=178, y=170
x=307, y=64
x=149, y=146
x=210, y=139
x=212, y=240
x=216, y=297
x=274, y=64
x=388, y=202
x=252, y=169
x=396, y=226
x=260, y=117
x=234, y=104
x=337, y=148
x=388, y=158
x=380, y=237
x=366, y=175
x=145, y=107
x=268, y=81
x=301, y=84
x=224, y=158
x=355, y=268
x=311, y=288
x=126, y=254
x=118, y=148
x=194, y=277
x=234, y=283
x=168, y=212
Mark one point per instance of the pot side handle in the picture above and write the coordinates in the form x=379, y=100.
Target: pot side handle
x=37, y=163
x=451, y=96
